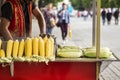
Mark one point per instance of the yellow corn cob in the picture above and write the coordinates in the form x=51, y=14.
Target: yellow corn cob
x=35, y=46
x=41, y=47
x=48, y=48
x=28, y=48
x=21, y=48
x=45, y=41
x=9, y=48
x=52, y=47
x=2, y=53
x=15, y=48
x=0, y=43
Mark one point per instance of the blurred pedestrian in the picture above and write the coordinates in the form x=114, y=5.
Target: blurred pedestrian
x=55, y=10
x=78, y=13
x=50, y=18
x=103, y=14
x=116, y=16
x=109, y=16
x=64, y=20
x=85, y=14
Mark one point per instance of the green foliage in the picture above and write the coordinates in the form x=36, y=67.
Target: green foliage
x=52, y=1
x=118, y=3
x=78, y=4
x=104, y=3
x=87, y=3
x=108, y=3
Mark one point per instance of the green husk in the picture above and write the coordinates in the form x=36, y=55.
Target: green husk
x=70, y=54
x=91, y=52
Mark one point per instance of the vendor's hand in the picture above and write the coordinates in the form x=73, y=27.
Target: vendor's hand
x=42, y=35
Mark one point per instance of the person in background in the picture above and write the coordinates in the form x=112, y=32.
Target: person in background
x=78, y=13
x=50, y=18
x=55, y=10
x=109, y=16
x=16, y=19
x=64, y=20
x=116, y=16
x=103, y=14
x=85, y=14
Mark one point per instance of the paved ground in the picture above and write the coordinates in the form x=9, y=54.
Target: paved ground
x=82, y=36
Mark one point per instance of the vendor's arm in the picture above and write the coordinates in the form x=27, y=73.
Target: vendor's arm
x=5, y=21
x=37, y=13
x=4, y=29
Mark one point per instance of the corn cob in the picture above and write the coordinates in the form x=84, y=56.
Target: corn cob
x=70, y=54
x=0, y=43
x=41, y=47
x=28, y=48
x=45, y=42
x=15, y=48
x=48, y=48
x=104, y=52
x=9, y=48
x=2, y=53
x=35, y=46
x=52, y=46
x=21, y=48
x=45, y=39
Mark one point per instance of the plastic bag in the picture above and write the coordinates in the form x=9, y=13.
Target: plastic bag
x=70, y=32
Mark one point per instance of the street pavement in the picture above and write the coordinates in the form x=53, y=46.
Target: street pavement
x=82, y=37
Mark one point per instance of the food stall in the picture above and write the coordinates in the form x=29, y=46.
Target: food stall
x=57, y=67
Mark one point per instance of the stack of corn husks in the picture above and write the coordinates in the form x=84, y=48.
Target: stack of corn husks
x=91, y=52
x=69, y=52
x=36, y=49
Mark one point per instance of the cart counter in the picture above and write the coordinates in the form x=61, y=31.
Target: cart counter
x=60, y=69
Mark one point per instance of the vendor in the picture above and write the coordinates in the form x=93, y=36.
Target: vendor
x=16, y=19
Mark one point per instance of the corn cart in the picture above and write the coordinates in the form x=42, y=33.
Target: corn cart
x=61, y=68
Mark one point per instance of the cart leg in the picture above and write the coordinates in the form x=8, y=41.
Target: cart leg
x=12, y=69
x=97, y=70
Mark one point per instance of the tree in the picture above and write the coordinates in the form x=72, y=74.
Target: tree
x=104, y=3
x=75, y=3
x=110, y=3
x=118, y=3
x=80, y=4
x=87, y=3
x=45, y=2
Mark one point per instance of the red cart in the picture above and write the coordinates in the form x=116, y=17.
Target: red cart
x=60, y=69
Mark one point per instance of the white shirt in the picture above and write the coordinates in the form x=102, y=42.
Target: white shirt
x=64, y=15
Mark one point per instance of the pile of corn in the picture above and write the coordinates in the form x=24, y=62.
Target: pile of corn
x=91, y=52
x=69, y=52
x=36, y=49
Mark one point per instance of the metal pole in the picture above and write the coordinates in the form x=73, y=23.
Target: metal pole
x=98, y=37
x=98, y=29
x=94, y=24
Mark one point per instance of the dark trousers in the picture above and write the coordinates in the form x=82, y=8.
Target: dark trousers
x=64, y=29
x=103, y=19
x=116, y=21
